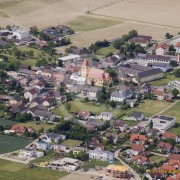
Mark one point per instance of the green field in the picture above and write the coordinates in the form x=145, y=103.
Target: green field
x=105, y=51
x=168, y=77
x=174, y=112
x=89, y=23
x=3, y=15
x=151, y=107
x=77, y=105
x=16, y=171
x=11, y=143
x=72, y=143
x=37, y=127
x=157, y=159
x=5, y=122
x=131, y=123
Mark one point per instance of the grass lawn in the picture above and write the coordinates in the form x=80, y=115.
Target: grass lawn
x=157, y=159
x=36, y=127
x=61, y=111
x=106, y=51
x=151, y=107
x=72, y=143
x=10, y=143
x=168, y=77
x=5, y=122
x=174, y=112
x=89, y=23
x=16, y=171
x=131, y=123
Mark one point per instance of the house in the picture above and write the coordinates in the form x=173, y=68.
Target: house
x=67, y=164
x=138, y=138
x=167, y=147
x=135, y=116
x=141, y=160
x=155, y=174
x=174, y=84
x=117, y=171
x=162, y=49
x=16, y=101
x=82, y=52
x=174, y=157
x=177, y=47
x=66, y=60
x=98, y=77
x=27, y=152
x=78, y=79
x=18, y=129
x=84, y=114
x=61, y=148
x=120, y=125
x=101, y=155
x=167, y=167
x=145, y=88
x=79, y=150
x=110, y=62
x=163, y=123
x=144, y=41
x=159, y=93
x=109, y=135
x=124, y=93
x=90, y=91
x=136, y=149
x=106, y=116
x=42, y=145
x=17, y=109
x=174, y=163
x=20, y=34
x=169, y=135
x=53, y=137
x=31, y=94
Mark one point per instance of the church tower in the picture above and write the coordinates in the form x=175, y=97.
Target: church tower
x=84, y=69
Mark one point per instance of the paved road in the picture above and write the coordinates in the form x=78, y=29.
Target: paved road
x=163, y=155
x=136, y=176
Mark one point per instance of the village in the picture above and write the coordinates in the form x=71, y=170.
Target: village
x=114, y=116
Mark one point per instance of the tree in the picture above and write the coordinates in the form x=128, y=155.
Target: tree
x=171, y=48
x=171, y=141
x=175, y=92
x=177, y=73
x=174, y=63
x=68, y=106
x=168, y=36
x=151, y=125
x=113, y=104
x=34, y=30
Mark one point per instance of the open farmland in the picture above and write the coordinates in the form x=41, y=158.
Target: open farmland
x=105, y=20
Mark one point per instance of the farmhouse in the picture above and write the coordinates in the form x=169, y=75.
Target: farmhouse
x=120, y=125
x=163, y=123
x=162, y=49
x=144, y=41
x=20, y=34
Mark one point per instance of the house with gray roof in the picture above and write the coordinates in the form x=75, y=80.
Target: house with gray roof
x=135, y=116
x=53, y=137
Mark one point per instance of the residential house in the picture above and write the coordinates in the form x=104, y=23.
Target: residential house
x=141, y=160
x=163, y=123
x=30, y=153
x=159, y=93
x=84, y=114
x=138, y=138
x=17, y=109
x=61, y=148
x=162, y=49
x=122, y=94
x=174, y=163
x=169, y=135
x=106, y=116
x=79, y=150
x=82, y=52
x=101, y=155
x=177, y=47
x=167, y=147
x=113, y=136
x=145, y=88
x=174, y=84
x=66, y=60
x=144, y=41
x=20, y=34
x=135, y=116
x=53, y=137
x=31, y=94
x=15, y=101
x=110, y=62
x=120, y=125
x=42, y=145
x=90, y=91
x=18, y=129
x=136, y=149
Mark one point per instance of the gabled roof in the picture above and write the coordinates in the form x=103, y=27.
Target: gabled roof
x=164, y=145
x=138, y=137
x=174, y=156
x=163, y=46
x=83, y=113
x=33, y=91
x=137, y=147
x=137, y=114
x=169, y=135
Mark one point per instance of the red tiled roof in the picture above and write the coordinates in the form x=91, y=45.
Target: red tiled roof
x=83, y=113
x=137, y=147
x=169, y=135
x=138, y=137
x=18, y=128
x=174, y=156
x=168, y=167
x=178, y=44
x=164, y=145
x=33, y=91
x=163, y=46
x=173, y=162
x=141, y=158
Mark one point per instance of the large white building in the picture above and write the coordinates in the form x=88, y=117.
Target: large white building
x=163, y=123
x=72, y=58
x=162, y=49
x=20, y=34
x=174, y=85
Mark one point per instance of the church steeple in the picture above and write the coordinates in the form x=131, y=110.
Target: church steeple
x=85, y=68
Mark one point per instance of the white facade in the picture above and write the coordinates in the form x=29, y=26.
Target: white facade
x=69, y=59
x=161, y=51
x=30, y=96
x=80, y=80
x=20, y=34
x=163, y=123
x=101, y=155
x=106, y=116
x=174, y=84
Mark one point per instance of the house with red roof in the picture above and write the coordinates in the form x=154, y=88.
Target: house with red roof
x=142, y=40
x=167, y=147
x=138, y=138
x=31, y=94
x=18, y=129
x=174, y=163
x=177, y=47
x=141, y=160
x=162, y=49
x=159, y=93
x=174, y=157
x=169, y=135
x=136, y=149
x=84, y=114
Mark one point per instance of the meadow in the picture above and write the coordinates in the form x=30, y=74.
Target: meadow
x=11, y=143
x=16, y=171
